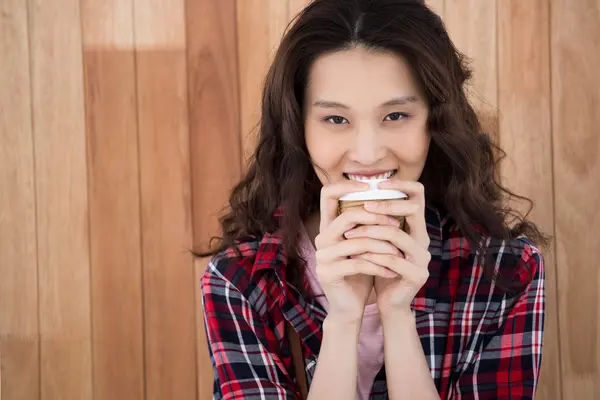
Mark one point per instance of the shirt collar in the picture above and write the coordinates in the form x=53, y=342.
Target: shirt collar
x=271, y=256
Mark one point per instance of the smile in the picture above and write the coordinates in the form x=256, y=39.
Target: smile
x=385, y=175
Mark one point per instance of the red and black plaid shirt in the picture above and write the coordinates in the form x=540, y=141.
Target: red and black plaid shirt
x=480, y=342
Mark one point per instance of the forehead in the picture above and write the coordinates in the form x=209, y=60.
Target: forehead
x=360, y=75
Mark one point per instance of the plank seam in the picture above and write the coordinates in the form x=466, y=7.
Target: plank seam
x=140, y=202
x=554, y=246
x=190, y=176
x=89, y=212
x=35, y=199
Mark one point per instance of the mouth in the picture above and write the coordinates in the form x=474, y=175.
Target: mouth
x=381, y=176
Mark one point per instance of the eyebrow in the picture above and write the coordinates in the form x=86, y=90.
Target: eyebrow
x=402, y=100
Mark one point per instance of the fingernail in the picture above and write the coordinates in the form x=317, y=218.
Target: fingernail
x=349, y=234
x=360, y=183
x=394, y=222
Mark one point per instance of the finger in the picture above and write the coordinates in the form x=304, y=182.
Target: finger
x=330, y=195
x=352, y=247
x=400, y=266
x=344, y=268
x=348, y=220
x=411, y=210
x=399, y=207
x=414, y=189
x=416, y=193
x=403, y=241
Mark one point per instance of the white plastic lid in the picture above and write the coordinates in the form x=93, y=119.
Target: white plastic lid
x=374, y=193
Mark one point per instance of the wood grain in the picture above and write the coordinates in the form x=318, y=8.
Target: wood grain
x=214, y=111
x=575, y=105
x=105, y=153
x=19, y=344
x=116, y=266
x=472, y=27
x=526, y=136
x=168, y=274
x=61, y=199
x=215, y=137
x=260, y=26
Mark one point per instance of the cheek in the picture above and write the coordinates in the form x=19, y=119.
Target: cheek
x=412, y=151
x=326, y=150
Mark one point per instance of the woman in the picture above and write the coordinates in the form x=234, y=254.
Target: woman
x=450, y=307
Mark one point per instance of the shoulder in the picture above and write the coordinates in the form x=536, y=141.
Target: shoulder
x=510, y=283
x=249, y=270
x=234, y=264
x=518, y=260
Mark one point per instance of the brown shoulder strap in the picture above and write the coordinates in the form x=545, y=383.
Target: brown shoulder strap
x=298, y=360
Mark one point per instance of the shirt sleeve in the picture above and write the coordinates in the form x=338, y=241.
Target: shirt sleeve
x=244, y=363
x=509, y=364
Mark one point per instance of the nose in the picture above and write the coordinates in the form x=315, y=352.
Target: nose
x=367, y=147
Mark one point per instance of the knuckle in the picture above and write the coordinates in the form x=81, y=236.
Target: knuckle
x=319, y=258
x=322, y=271
x=427, y=257
x=385, y=205
x=318, y=241
x=423, y=277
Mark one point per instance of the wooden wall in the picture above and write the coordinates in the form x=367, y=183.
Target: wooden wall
x=124, y=123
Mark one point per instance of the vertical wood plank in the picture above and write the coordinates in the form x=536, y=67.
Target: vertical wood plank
x=215, y=137
x=214, y=111
x=116, y=275
x=19, y=344
x=168, y=274
x=472, y=27
x=575, y=105
x=526, y=136
x=261, y=24
x=62, y=203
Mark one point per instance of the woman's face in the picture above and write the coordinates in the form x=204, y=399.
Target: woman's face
x=365, y=116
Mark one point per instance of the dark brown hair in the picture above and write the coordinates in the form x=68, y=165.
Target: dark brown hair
x=460, y=174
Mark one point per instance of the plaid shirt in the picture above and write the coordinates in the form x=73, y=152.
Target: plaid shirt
x=479, y=342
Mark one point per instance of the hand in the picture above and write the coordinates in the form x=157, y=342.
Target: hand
x=396, y=294
x=346, y=281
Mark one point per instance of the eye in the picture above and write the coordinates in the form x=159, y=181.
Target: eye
x=335, y=119
x=396, y=116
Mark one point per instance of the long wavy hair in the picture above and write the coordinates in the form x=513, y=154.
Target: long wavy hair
x=460, y=173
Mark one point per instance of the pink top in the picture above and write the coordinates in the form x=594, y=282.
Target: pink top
x=370, y=341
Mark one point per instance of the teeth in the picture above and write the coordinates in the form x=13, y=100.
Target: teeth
x=386, y=175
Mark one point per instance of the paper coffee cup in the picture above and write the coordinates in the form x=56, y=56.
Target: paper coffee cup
x=358, y=199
